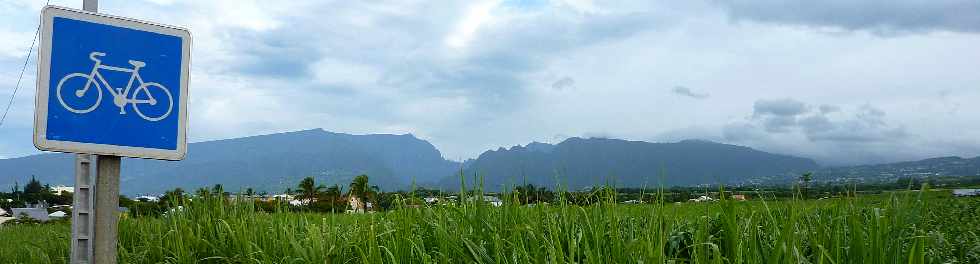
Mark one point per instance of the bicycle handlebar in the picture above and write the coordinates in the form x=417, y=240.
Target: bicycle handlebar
x=95, y=54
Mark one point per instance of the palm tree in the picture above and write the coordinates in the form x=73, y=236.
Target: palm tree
x=203, y=192
x=218, y=190
x=360, y=189
x=333, y=196
x=174, y=197
x=309, y=190
x=333, y=193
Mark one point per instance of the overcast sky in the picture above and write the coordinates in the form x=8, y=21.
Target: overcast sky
x=839, y=81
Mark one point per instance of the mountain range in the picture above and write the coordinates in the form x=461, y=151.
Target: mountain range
x=275, y=162
x=943, y=166
x=265, y=163
x=577, y=162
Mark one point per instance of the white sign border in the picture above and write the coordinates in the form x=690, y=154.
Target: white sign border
x=43, y=82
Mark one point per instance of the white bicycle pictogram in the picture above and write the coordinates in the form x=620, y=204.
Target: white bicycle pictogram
x=120, y=97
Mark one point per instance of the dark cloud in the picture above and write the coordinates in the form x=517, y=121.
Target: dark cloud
x=490, y=69
x=852, y=131
x=779, y=107
x=424, y=68
x=272, y=54
x=833, y=135
x=816, y=124
x=779, y=115
x=879, y=16
x=871, y=115
x=865, y=124
x=779, y=124
x=563, y=83
x=825, y=108
x=684, y=91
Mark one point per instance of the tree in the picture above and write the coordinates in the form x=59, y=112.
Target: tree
x=328, y=200
x=34, y=191
x=529, y=194
x=805, y=182
x=218, y=190
x=333, y=191
x=309, y=190
x=333, y=195
x=33, y=187
x=203, y=192
x=909, y=182
x=175, y=197
x=360, y=189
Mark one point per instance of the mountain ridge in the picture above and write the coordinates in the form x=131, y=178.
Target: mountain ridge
x=270, y=162
x=581, y=162
x=276, y=161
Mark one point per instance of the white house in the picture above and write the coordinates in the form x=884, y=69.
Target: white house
x=286, y=197
x=702, y=198
x=490, y=199
x=148, y=198
x=58, y=214
x=61, y=188
x=966, y=192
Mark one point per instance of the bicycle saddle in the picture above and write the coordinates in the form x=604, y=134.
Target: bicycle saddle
x=137, y=64
x=94, y=55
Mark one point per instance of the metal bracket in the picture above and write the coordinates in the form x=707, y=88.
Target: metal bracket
x=83, y=210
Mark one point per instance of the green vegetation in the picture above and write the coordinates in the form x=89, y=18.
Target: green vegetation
x=895, y=227
x=33, y=192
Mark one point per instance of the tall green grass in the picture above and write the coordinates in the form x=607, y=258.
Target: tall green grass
x=908, y=227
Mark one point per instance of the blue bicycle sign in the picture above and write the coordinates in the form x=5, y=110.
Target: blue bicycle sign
x=120, y=96
x=111, y=86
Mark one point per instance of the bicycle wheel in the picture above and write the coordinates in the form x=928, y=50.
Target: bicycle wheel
x=159, y=98
x=79, y=104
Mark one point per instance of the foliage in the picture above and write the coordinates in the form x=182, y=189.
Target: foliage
x=529, y=194
x=309, y=190
x=360, y=188
x=34, y=192
x=906, y=227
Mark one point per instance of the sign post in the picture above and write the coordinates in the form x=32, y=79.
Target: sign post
x=108, y=87
x=106, y=209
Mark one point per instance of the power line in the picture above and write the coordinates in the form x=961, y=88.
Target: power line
x=22, y=69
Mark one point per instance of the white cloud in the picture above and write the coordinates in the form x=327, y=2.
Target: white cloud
x=331, y=71
x=475, y=75
x=478, y=15
x=17, y=47
x=587, y=6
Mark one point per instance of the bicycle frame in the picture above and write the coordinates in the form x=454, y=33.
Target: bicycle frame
x=119, y=95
